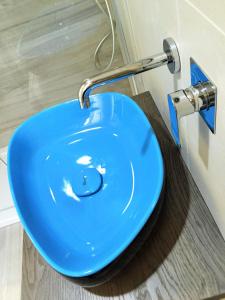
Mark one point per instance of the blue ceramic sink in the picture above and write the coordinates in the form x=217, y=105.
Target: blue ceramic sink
x=85, y=182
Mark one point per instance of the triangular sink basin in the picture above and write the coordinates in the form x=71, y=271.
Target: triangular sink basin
x=85, y=182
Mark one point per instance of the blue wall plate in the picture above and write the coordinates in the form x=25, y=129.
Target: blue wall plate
x=209, y=114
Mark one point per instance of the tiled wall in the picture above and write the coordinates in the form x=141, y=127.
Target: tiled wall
x=198, y=27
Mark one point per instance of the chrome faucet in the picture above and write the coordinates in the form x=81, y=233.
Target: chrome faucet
x=200, y=97
x=170, y=56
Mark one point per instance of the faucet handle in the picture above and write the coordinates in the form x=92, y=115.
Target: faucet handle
x=179, y=106
x=197, y=98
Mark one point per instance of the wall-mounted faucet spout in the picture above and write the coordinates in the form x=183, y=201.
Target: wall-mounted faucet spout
x=170, y=56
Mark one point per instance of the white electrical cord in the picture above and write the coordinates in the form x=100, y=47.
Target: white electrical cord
x=100, y=44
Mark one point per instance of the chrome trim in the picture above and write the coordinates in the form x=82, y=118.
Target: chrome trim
x=202, y=95
x=170, y=48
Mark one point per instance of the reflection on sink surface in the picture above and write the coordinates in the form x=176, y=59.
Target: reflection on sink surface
x=85, y=182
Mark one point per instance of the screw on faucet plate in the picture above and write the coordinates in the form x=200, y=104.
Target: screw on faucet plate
x=176, y=100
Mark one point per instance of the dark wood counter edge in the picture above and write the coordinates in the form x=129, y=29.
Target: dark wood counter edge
x=156, y=129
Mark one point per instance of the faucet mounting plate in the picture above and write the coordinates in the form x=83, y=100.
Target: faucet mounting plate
x=198, y=76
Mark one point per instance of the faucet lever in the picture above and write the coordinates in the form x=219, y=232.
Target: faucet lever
x=197, y=98
x=179, y=106
x=170, y=56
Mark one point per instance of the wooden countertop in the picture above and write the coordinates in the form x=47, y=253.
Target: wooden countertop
x=184, y=257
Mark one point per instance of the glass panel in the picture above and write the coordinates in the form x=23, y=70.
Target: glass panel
x=46, y=50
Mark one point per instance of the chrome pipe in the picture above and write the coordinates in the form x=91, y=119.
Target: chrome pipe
x=170, y=57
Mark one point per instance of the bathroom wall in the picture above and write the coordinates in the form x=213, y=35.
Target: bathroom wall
x=198, y=27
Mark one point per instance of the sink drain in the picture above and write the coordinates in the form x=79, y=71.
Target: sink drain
x=87, y=182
